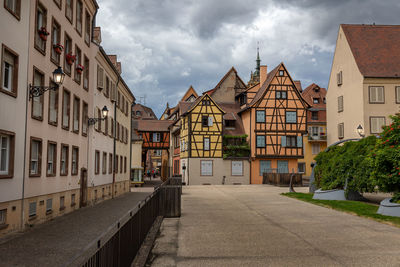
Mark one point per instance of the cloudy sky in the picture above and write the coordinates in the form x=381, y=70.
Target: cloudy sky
x=167, y=45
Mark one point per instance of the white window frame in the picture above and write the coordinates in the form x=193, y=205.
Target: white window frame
x=50, y=158
x=373, y=94
x=315, y=148
x=7, y=153
x=237, y=167
x=35, y=158
x=206, y=144
x=49, y=204
x=205, y=164
x=378, y=120
x=32, y=209
x=64, y=159
x=9, y=76
x=341, y=130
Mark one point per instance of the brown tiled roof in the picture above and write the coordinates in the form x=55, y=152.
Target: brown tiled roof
x=376, y=49
x=232, y=110
x=298, y=86
x=309, y=93
x=153, y=125
x=210, y=92
x=264, y=86
x=146, y=112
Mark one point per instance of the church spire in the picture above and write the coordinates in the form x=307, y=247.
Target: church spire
x=258, y=60
x=255, y=76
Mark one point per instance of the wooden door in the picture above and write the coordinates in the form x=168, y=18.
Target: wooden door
x=83, y=182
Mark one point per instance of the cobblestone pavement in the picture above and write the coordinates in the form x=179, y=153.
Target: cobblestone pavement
x=256, y=226
x=56, y=242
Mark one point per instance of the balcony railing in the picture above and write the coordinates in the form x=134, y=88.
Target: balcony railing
x=317, y=137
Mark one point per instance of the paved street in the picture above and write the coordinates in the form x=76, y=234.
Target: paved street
x=56, y=242
x=255, y=226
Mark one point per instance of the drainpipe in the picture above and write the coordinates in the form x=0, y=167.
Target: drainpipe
x=115, y=139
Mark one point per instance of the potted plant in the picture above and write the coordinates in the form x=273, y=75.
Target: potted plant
x=43, y=33
x=79, y=69
x=70, y=58
x=58, y=48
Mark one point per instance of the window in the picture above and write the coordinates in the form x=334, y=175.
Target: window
x=314, y=115
x=340, y=104
x=339, y=78
x=53, y=106
x=121, y=162
x=237, y=168
x=206, y=168
x=156, y=137
x=72, y=200
x=100, y=78
x=112, y=127
x=84, y=118
x=78, y=66
x=206, y=144
x=64, y=159
x=324, y=100
x=76, y=115
x=301, y=166
x=204, y=121
x=69, y=9
x=87, y=28
x=14, y=7
x=340, y=130
x=35, y=157
x=106, y=126
x=67, y=51
x=314, y=130
x=281, y=73
x=7, y=148
x=398, y=94
x=97, y=162
x=66, y=109
x=104, y=163
x=86, y=73
x=158, y=152
x=315, y=149
x=376, y=95
x=32, y=209
x=281, y=94
x=316, y=100
x=107, y=89
x=3, y=217
x=9, y=72
x=55, y=42
x=260, y=141
x=291, y=117
x=75, y=160
x=40, y=29
x=37, y=102
x=49, y=204
x=62, y=202
x=206, y=102
x=260, y=116
x=283, y=166
x=51, y=158
x=291, y=141
x=125, y=160
x=79, y=9
x=110, y=162
x=376, y=124
x=265, y=166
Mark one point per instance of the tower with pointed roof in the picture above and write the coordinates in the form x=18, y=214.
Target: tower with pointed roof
x=255, y=76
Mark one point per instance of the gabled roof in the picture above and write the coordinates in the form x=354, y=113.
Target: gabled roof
x=153, y=125
x=189, y=93
x=210, y=92
x=312, y=91
x=232, y=110
x=146, y=112
x=376, y=49
x=195, y=103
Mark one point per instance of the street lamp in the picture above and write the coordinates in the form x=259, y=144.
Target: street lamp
x=360, y=130
x=104, y=114
x=38, y=90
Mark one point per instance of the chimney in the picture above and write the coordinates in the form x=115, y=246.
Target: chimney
x=119, y=67
x=113, y=59
x=263, y=74
x=97, y=35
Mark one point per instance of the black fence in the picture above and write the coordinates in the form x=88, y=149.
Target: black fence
x=283, y=179
x=120, y=244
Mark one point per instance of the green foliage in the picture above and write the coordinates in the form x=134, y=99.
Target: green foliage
x=235, y=146
x=386, y=159
x=350, y=161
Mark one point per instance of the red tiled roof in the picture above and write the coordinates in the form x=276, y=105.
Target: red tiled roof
x=376, y=49
x=309, y=93
x=210, y=92
x=232, y=110
x=153, y=125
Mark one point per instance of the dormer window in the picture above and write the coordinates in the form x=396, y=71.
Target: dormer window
x=230, y=123
x=316, y=100
x=138, y=113
x=281, y=73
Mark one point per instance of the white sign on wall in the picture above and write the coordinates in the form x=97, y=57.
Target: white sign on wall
x=206, y=168
x=237, y=168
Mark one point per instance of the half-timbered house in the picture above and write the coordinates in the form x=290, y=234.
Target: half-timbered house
x=274, y=115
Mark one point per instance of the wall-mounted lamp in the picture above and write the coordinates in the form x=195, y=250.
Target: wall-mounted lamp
x=104, y=114
x=38, y=90
x=360, y=130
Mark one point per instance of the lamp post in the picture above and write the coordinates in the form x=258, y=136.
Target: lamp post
x=38, y=90
x=104, y=114
x=360, y=131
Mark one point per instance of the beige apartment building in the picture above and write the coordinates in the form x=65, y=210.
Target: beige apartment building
x=13, y=103
x=364, y=85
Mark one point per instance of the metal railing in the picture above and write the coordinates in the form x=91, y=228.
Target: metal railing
x=317, y=138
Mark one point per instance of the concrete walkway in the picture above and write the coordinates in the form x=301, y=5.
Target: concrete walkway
x=56, y=242
x=255, y=226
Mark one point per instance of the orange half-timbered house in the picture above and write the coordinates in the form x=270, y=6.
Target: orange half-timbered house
x=274, y=115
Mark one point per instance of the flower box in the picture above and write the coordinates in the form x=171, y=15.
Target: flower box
x=58, y=48
x=43, y=33
x=79, y=68
x=70, y=58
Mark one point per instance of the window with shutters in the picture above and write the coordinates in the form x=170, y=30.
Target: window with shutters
x=9, y=72
x=315, y=130
x=339, y=78
x=73, y=200
x=106, y=126
x=340, y=104
x=301, y=166
x=86, y=65
x=69, y=9
x=110, y=162
x=125, y=161
x=107, y=89
x=37, y=102
x=75, y=160
x=55, y=41
x=32, y=209
x=112, y=127
x=206, y=168
x=100, y=78
x=283, y=166
x=53, y=105
x=206, y=144
x=49, y=205
x=376, y=95
x=76, y=115
x=116, y=164
x=156, y=137
x=260, y=116
x=104, y=163
x=67, y=50
x=314, y=115
x=40, y=28
x=78, y=62
x=14, y=7
x=121, y=163
x=66, y=109
x=64, y=159
x=260, y=141
x=88, y=28
x=397, y=94
x=376, y=124
x=96, y=162
x=291, y=117
x=7, y=150
x=204, y=120
x=291, y=141
x=51, y=158
x=315, y=148
x=237, y=168
x=84, y=118
x=79, y=15
x=98, y=124
x=340, y=130
x=265, y=166
x=35, y=157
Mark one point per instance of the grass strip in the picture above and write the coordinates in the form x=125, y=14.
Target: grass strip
x=358, y=208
